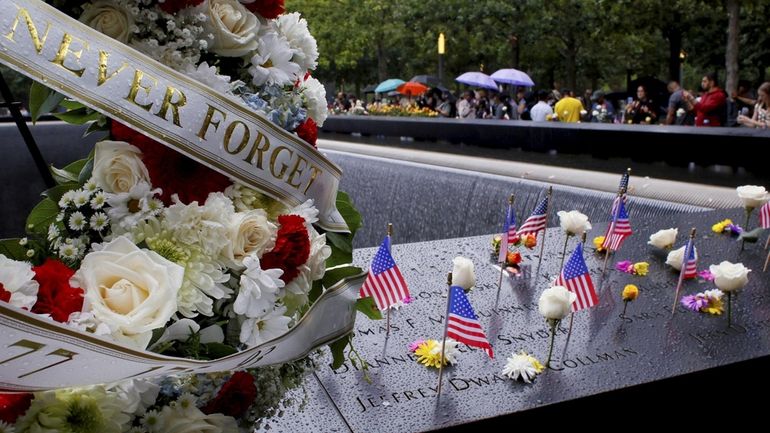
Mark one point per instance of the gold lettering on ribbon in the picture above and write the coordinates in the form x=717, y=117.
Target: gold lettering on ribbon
x=136, y=85
x=207, y=121
x=296, y=170
x=167, y=103
x=39, y=43
x=27, y=344
x=101, y=76
x=274, y=158
x=314, y=172
x=255, y=148
x=59, y=352
x=64, y=49
x=229, y=134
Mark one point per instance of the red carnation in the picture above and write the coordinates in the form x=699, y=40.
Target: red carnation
x=292, y=247
x=235, y=397
x=174, y=6
x=171, y=171
x=13, y=406
x=267, y=8
x=55, y=295
x=5, y=296
x=308, y=131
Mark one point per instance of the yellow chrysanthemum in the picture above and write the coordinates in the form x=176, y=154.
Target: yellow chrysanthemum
x=598, y=241
x=715, y=307
x=641, y=268
x=429, y=353
x=720, y=226
x=630, y=292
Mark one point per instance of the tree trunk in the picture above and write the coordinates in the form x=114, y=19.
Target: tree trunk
x=515, y=50
x=674, y=36
x=731, y=52
x=382, y=62
x=570, y=63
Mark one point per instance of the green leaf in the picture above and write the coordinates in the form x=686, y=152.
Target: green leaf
x=343, y=241
x=99, y=125
x=56, y=192
x=349, y=213
x=333, y=276
x=78, y=117
x=42, y=216
x=42, y=100
x=71, y=104
x=11, y=249
x=752, y=236
x=62, y=176
x=368, y=307
x=219, y=350
x=338, y=351
x=315, y=292
x=86, y=171
x=338, y=257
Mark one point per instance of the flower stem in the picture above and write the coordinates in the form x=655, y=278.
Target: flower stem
x=729, y=308
x=746, y=226
x=564, y=251
x=625, y=305
x=554, y=324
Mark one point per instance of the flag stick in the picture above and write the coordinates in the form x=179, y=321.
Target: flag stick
x=504, y=254
x=564, y=250
x=682, y=271
x=572, y=315
x=446, y=327
x=542, y=246
x=767, y=260
x=621, y=191
x=387, y=323
x=767, y=244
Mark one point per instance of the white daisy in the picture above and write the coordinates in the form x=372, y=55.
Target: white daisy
x=99, y=221
x=272, y=62
x=129, y=208
x=98, y=201
x=77, y=221
x=81, y=197
x=53, y=232
x=67, y=251
x=66, y=199
x=90, y=186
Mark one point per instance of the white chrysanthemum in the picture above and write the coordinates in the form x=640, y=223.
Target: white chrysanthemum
x=77, y=221
x=81, y=198
x=204, y=226
x=90, y=186
x=307, y=211
x=99, y=221
x=183, y=416
x=259, y=289
x=17, y=278
x=714, y=293
x=98, y=201
x=272, y=62
x=68, y=252
x=257, y=331
x=314, y=95
x=522, y=366
x=127, y=209
x=302, y=43
x=6, y=428
x=66, y=199
x=208, y=75
x=53, y=232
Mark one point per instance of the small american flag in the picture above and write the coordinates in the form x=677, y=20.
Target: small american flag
x=509, y=233
x=690, y=263
x=619, y=229
x=576, y=278
x=537, y=220
x=764, y=216
x=462, y=323
x=623, y=186
x=385, y=282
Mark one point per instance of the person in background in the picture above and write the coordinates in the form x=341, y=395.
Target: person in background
x=587, y=99
x=711, y=110
x=678, y=112
x=540, y=111
x=483, y=110
x=519, y=104
x=602, y=110
x=642, y=109
x=760, y=117
x=341, y=103
x=466, y=107
x=568, y=108
x=498, y=107
x=743, y=102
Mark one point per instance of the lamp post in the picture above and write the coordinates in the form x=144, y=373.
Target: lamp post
x=441, y=52
x=682, y=56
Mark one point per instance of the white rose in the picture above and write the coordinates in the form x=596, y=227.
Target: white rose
x=463, y=274
x=118, y=166
x=663, y=238
x=752, y=196
x=131, y=290
x=190, y=419
x=16, y=278
x=110, y=18
x=234, y=27
x=574, y=222
x=730, y=277
x=249, y=233
x=676, y=257
x=135, y=395
x=556, y=302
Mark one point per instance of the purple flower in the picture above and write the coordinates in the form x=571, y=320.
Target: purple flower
x=625, y=266
x=706, y=275
x=415, y=344
x=734, y=229
x=695, y=302
x=408, y=300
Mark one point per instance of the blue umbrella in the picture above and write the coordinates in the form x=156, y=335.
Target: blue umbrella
x=389, y=85
x=513, y=76
x=477, y=79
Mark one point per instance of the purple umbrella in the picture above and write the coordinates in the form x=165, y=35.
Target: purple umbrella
x=477, y=79
x=513, y=76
